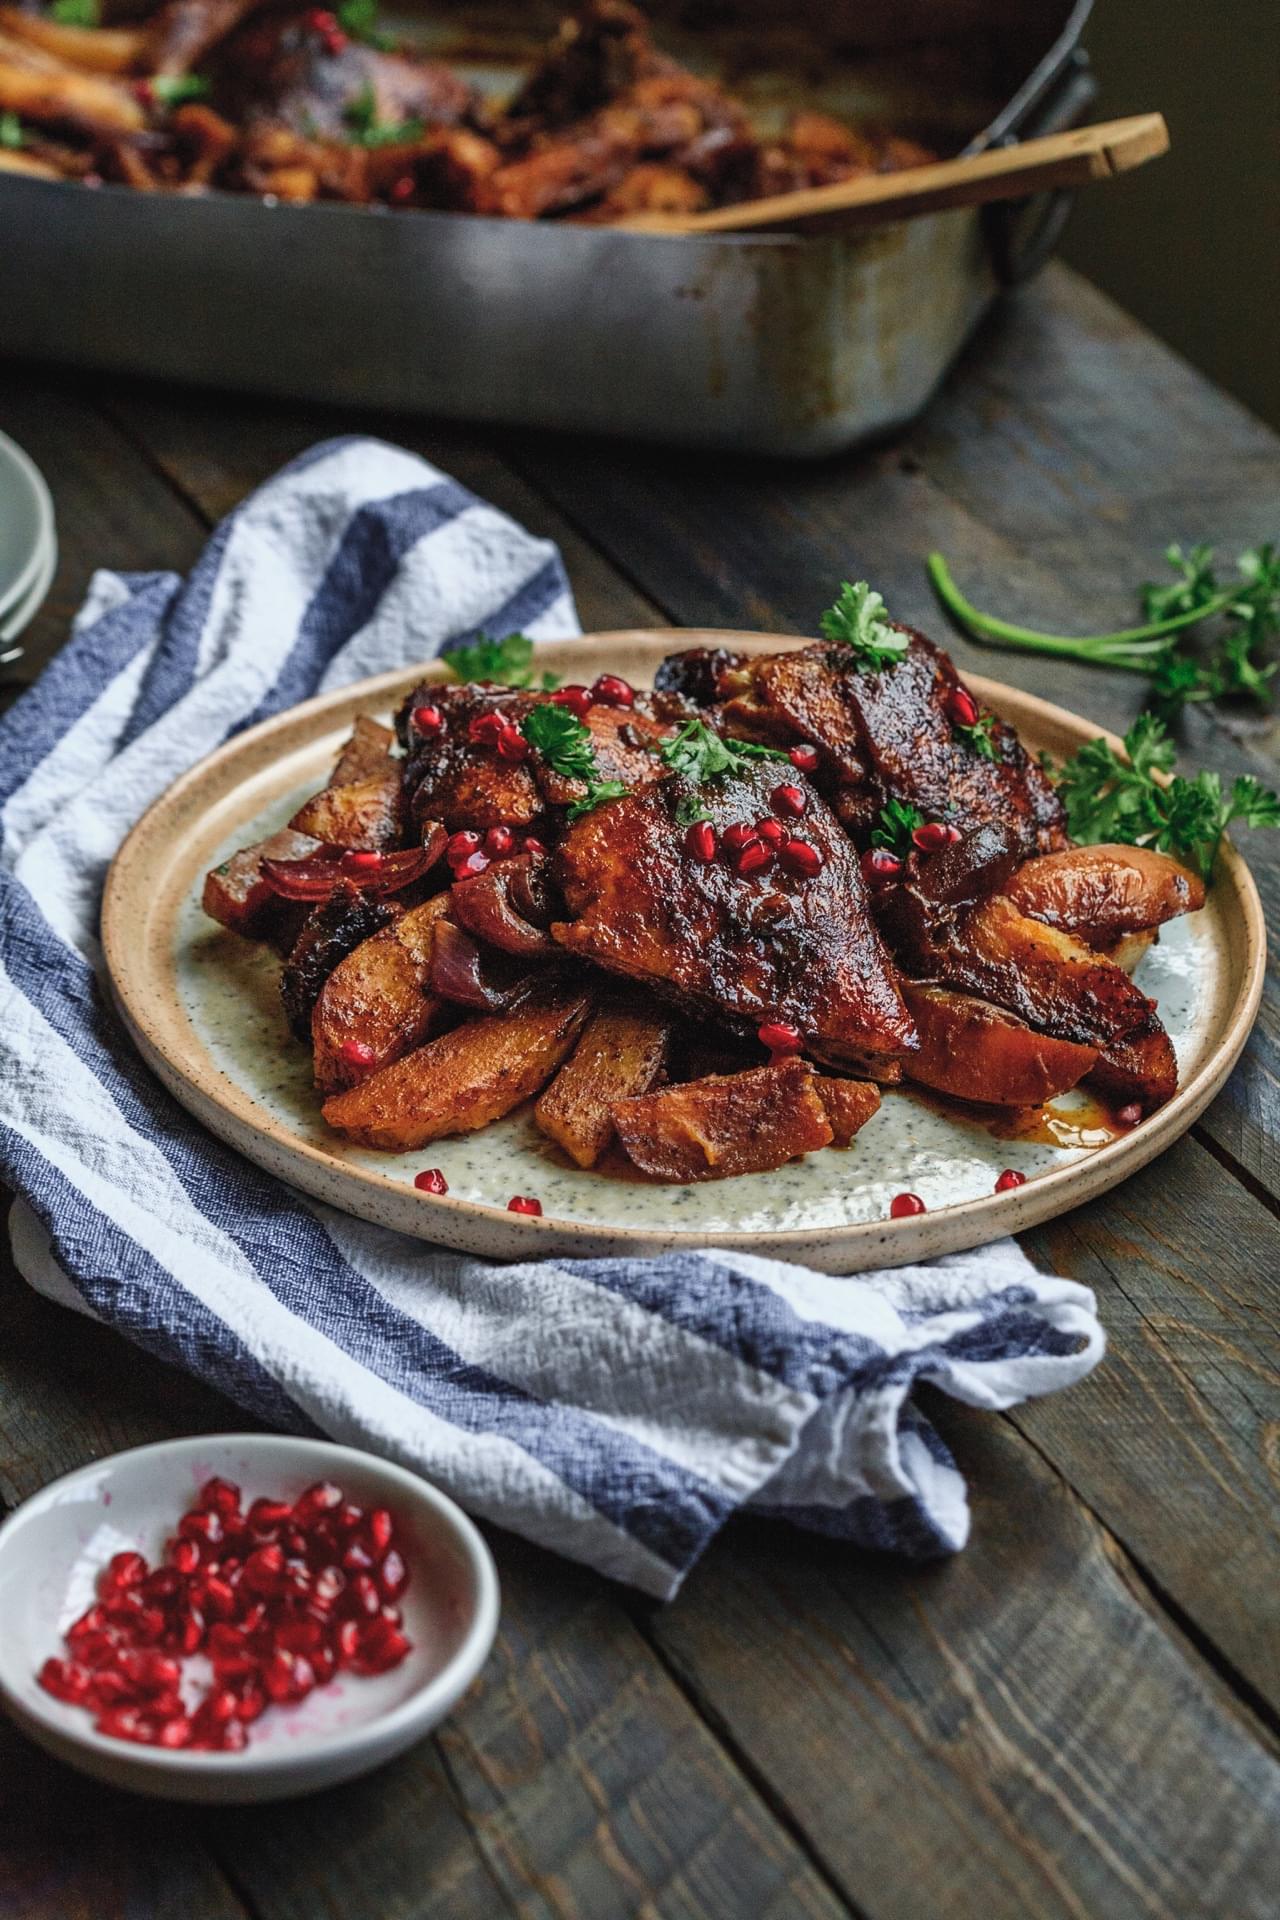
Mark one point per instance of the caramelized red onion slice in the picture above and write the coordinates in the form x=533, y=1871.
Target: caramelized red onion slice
x=376, y=874
x=462, y=974
x=495, y=906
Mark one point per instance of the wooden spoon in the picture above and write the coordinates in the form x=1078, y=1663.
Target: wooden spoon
x=1073, y=159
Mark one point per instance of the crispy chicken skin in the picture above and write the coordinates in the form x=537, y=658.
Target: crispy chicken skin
x=744, y=950
x=1103, y=894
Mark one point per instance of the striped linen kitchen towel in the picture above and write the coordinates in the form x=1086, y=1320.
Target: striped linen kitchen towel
x=615, y=1410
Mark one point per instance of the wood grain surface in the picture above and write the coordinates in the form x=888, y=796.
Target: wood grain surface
x=1079, y=1715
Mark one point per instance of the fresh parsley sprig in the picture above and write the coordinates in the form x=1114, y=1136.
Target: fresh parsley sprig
x=565, y=744
x=76, y=13
x=359, y=21
x=858, y=621
x=175, y=89
x=364, y=129
x=896, y=824
x=1110, y=798
x=980, y=737
x=11, y=134
x=504, y=663
x=699, y=753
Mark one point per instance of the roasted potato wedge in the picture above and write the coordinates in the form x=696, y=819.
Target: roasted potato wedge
x=380, y=998
x=978, y=1052
x=237, y=893
x=367, y=752
x=726, y=1124
x=848, y=1105
x=330, y=933
x=365, y=814
x=622, y=1053
x=465, y=1079
x=1101, y=894
x=1141, y=1068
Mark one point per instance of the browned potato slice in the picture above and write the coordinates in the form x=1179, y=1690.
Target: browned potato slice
x=466, y=1078
x=104, y=49
x=623, y=1053
x=364, y=814
x=379, y=996
x=849, y=1104
x=726, y=1124
x=978, y=1052
x=1100, y=894
x=367, y=752
x=237, y=894
x=64, y=96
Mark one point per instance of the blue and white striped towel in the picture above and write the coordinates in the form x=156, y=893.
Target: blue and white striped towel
x=615, y=1410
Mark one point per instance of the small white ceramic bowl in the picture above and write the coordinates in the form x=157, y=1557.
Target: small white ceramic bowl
x=53, y=1547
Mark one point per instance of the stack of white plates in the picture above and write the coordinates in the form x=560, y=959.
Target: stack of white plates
x=28, y=545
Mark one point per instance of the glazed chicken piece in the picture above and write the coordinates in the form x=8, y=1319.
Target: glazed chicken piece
x=881, y=735
x=1103, y=895
x=742, y=949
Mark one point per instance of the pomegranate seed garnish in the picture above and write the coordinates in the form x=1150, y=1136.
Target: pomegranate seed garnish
x=499, y=842
x=610, y=691
x=780, y=1037
x=356, y=1053
x=184, y=1555
x=935, y=834
x=189, y=1633
x=460, y=844
x=532, y=844
x=961, y=707
x=788, y=802
x=122, y=1723
x=512, y=744
x=753, y=858
x=250, y=1703
x=880, y=867
x=578, y=700
x=363, y=861
x=1130, y=1115
x=381, y=1529
x=804, y=759
x=473, y=864
x=173, y=1733
x=357, y=1558
x=386, y=1652
x=66, y=1680
x=264, y=1516
x=700, y=841
x=431, y=1180
x=107, y=1688
x=393, y=1575
x=314, y=1501
x=346, y=1642
x=328, y=1588
x=737, y=836
x=320, y=20
x=335, y=42
x=219, y=1496
x=204, y=1528
x=487, y=729
x=93, y=1620
x=232, y=1738
x=770, y=831
x=348, y=1517
x=363, y=1596
x=145, y=95
x=216, y=1597
x=524, y=1203
x=300, y=1635
x=428, y=721
x=148, y=1624
x=122, y=1570
x=1010, y=1179
x=163, y=1585
x=150, y=1672
x=903, y=1205
x=263, y=1568
x=797, y=856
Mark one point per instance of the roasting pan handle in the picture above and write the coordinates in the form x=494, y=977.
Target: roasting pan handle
x=1021, y=235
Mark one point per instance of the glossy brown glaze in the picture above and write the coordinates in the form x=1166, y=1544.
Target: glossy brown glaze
x=378, y=997
x=238, y=895
x=747, y=949
x=726, y=1124
x=330, y=932
x=982, y=1054
x=365, y=813
x=1102, y=894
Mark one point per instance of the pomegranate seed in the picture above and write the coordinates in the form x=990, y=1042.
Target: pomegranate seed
x=473, y=864
x=96, y=1649
x=381, y=1530
x=961, y=707
x=107, y=1689
x=264, y=1516
x=935, y=834
x=797, y=856
x=753, y=858
x=219, y=1496
x=184, y=1555
x=148, y=1624
x=363, y=1596
x=320, y=1498
x=232, y=1738
x=771, y=832
x=328, y=1588
x=93, y=1620
x=700, y=841
x=188, y=1635
x=346, y=1641
x=388, y=1651
x=175, y=1732
x=428, y=721
x=348, y=1517
x=66, y=1680
x=320, y=20
x=512, y=745
x=431, y=1180
x=788, y=802
x=123, y=1570
x=1129, y=1116
x=150, y=1672
x=487, y=729
x=1010, y=1179
x=357, y=1558
x=524, y=1203
x=250, y=1703
x=779, y=1037
x=532, y=844
x=263, y=1568
x=145, y=95
x=121, y=1723
x=203, y=1528
x=287, y=1677
x=299, y=1636
x=335, y=42
x=215, y=1596
x=578, y=700
x=610, y=691
x=903, y=1205
x=393, y=1576
x=459, y=845
x=880, y=867
x=737, y=836
x=804, y=759
x=499, y=842
x=163, y=1585
x=362, y=862
x=356, y=1053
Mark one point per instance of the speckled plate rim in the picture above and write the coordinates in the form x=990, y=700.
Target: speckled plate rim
x=164, y=858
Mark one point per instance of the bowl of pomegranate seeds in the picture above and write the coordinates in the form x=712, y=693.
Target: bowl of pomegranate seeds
x=239, y=1617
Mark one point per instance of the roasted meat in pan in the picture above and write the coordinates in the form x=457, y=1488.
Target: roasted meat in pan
x=742, y=948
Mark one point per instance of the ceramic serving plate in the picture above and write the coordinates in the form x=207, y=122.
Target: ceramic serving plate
x=203, y=1006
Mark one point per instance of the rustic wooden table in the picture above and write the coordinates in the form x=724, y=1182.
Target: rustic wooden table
x=1076, y=1717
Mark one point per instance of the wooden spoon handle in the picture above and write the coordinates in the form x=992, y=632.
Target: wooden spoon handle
x=1073, y=159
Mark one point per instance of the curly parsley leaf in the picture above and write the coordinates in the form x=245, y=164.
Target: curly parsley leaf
x=175, y=89
x=565, y=744
x=359, y=20
x=980, y=737
x=364, y=129
x=895, y=827
x=858, y=621
x=1110, y=798
x=502, y=663
x=11, y=135
x=1194, y=585
x=698, y=753
x=76, y=13
x=689, y=810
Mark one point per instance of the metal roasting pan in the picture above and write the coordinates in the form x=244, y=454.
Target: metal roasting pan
x=767, y=343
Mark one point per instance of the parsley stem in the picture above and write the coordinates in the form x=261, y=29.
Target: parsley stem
x=1133, y=648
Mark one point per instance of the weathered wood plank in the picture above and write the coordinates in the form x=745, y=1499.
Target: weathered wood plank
x=1010, y=1733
